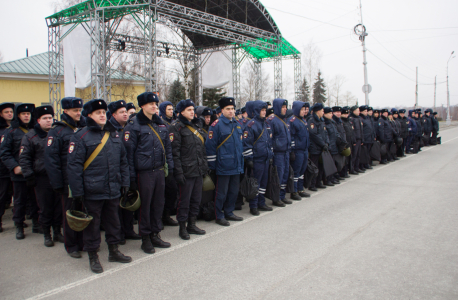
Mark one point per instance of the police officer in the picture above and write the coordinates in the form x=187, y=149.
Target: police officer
x=404, y=132
x=32, y=162
x=204, y=114
x=367, y=131
x=350, y=137
x=419, y=128
x=171, y=188
x=299, y=147
x=334, y=139
x=56, y=165
x=356, y=148
x=149, y=152
x=435, y=129
x=224, y=155
x=6, y=116
x=244, y=113
x=10, y=151
x=281, y=140
x=98, y=166
x=412, y=133
x=257, y=151
x=119, y=118
x=427, y=126
x=190, y=166
x=319, y=142
x=386, y=134
x=336, y=117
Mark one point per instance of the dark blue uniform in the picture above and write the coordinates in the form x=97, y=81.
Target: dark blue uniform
x=356, y=148
x=299, y=144
x=318, y=139
x=5, y=180
x=412, y=129
x=281, y=141
x=227, y=161
x=146, y=159
x=257, y=147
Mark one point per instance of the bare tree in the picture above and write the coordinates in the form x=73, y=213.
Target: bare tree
x=349, y=99
x=335, y=89
x=311, y=59
x=248, y=84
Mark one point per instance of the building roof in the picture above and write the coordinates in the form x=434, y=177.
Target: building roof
x=38, y=65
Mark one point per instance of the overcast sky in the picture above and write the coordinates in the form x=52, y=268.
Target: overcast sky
x=401, y=38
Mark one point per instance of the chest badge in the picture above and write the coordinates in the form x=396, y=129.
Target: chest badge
x=22, y=149
x=3, y=137
x=50, y=139
x=126, y=136
x=210, y=135
x=245, y=134
x=171, y=137
x=71, y=147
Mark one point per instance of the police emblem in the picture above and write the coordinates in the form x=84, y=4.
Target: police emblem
x=3, y=137
x=245, y=134
x=312, y=126
x=126, y=136
x=50, y=140
x=22, y=149
x=71, y=148
x=171, y=137
x=210, y=135
x=117, y=134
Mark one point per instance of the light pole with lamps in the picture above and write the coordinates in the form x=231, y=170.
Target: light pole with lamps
x=448, y=121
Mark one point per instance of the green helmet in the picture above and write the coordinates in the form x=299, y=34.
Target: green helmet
x=131, y=201
x=346, y=151
x=207, y=184
x=78, y=220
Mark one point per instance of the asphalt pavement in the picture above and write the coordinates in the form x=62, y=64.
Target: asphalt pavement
x=390, y=233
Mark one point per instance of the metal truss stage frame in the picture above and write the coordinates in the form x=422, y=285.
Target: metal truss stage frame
x=241, y=26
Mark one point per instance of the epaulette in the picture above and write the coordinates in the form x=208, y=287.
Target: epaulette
x=292, y=119
x=79, y=129
x=215, y=122
x=250, y=123
x=271, y=117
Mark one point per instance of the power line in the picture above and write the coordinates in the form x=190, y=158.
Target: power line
x=415, y=29
x=422, y=38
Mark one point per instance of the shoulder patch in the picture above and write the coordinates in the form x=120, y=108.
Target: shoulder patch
x=71, y=147
x=126, y=136
x=215, y=122
x=50, y=140
x=271, y=117
x=312, y=125
x=292, y=119
x=245, y=134
x=210, y=134
x=22, y=149
x=171, y=137
x=250, y=123
x=2, y=139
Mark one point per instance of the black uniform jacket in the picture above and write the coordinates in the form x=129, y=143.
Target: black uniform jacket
x=318, y=135
x=32, y=157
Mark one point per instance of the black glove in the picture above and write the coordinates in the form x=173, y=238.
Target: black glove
x=249, y=164
x=181, y=180
x=292, y=156
x=124, y=191
x=325, y=147
x=133, y=185
x=31, y=181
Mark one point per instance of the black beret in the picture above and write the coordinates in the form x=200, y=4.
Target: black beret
x=384, y=110
x=243, y=110
x=95, y=104
x=130, y=106
x=183, y=104
x=353, y=108
x=336, y=108
x=6, y=105
x=207, y=111
x=327, y=110
x=147, y=97
x=25, y=107
x=226, y=101
x=44, y=110
x=317, y=106
x=71, y=102
x=402, y=111
x=363, y=108
x=114, y=106
x=369, y=108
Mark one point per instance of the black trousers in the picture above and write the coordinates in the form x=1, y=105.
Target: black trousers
x=434, y=138
x=22, y=196
x=400, y=149
x=126, y=219
x=73, y=240
x=5, y=195
x=171, y=195
x=151, y=185
x=105, y=211
x=50, y=213
x=189, y=198
x=355, y=152
x=320, y=177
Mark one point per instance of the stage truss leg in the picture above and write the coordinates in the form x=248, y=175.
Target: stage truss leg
x=297, y=77
x=258, y=79
x=55, y=66
x=278, y=77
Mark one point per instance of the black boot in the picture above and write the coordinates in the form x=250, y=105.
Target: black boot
x=167, y=220
x=254, y=211
x=303, y=194
x=183, y=233
x=295, y=196
x=36, y=228
x=47, y=235
x=157, y=241
x=147, y=247
x=57, y=234
x=94, y=262
x=116, y=256
x=192, y=228
x=20, y=231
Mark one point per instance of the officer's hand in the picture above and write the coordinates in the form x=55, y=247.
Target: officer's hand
x=292, y=156
x=181, y=180
x=249, y=164
x=325, y=147
x=133, y=185
x=17, y=170
x=31, y=181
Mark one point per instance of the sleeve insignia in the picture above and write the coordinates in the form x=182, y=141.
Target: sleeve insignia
x=214, y=123
x=71, y=147
x=50, y=139
x=171, y=137
x=22, y=149
x=245, y=134
x=3, y=138
x=210, y=134
x=312, y=126
x=126, y=136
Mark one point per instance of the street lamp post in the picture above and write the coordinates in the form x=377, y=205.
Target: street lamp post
x=448, y=121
